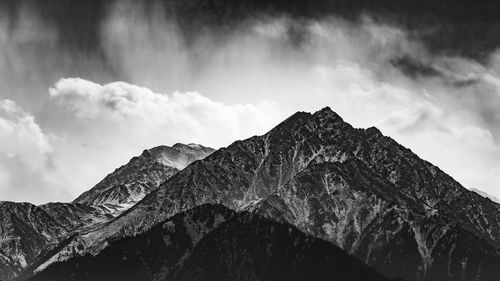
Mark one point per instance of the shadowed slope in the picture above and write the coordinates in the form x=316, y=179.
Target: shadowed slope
x=211, y=242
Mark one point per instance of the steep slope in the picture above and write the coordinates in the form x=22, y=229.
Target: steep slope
x=27, y=230
x=73, y=216
x=142, y=174
x=211, y=242
x=353, y=187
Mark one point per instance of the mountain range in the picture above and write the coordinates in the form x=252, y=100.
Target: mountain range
x=29, y=233
x=312, y=180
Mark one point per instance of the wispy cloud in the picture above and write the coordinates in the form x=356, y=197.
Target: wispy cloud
x=216, y=86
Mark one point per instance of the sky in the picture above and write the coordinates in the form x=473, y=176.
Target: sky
x=75, y=105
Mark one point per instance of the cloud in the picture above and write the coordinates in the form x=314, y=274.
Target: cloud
x=128, y=108
x=34, y=54
x=19, y=133
x=26, y=164
x=219, y=85
x=104, y=126
x=113, y=122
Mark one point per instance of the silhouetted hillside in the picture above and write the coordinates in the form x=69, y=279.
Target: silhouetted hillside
x=211, y=242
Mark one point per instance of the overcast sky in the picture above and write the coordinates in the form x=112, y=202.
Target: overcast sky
x=68, y=118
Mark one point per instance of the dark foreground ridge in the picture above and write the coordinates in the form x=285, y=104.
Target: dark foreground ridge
x=211, y=242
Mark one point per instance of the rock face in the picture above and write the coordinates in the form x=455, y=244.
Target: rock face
x=74, y=216
x=32, y=236
x=131, y=182
x=26, y=230
x=356, y=188
x=211, y=242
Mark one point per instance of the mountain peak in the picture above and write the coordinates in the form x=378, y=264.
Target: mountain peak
x=192, y=146
x=373, y=131
x=325, y=109
x=328, y=113
x=131, y=182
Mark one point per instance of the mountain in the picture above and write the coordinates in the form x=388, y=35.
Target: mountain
x=142, y=174
x=24, y=220
x=211, y=242
x=26, y=230
x=356, y=188
x=31, y=235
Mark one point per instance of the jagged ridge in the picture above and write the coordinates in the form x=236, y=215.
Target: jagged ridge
x=353, y=187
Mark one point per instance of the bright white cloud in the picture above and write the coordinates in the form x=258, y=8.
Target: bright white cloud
x=26, y=166
x=113, y=122
x=153, y=117
x=19, y=133
x=109, y=124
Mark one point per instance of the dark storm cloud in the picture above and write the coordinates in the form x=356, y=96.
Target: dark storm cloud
x=414, y=68
x=454, y=27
